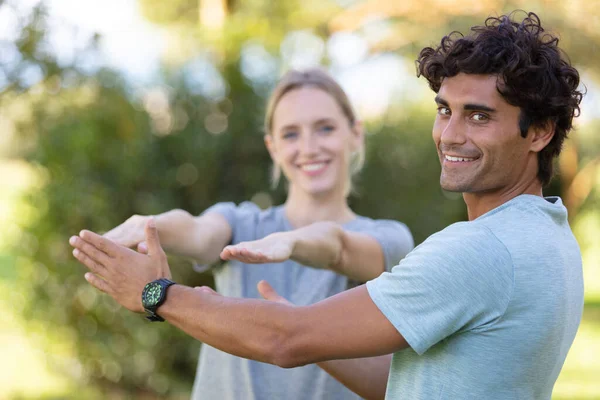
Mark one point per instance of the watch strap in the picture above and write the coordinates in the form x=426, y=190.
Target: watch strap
x=151, y=314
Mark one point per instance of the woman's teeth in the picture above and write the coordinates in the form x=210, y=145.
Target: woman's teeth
x=312, y=167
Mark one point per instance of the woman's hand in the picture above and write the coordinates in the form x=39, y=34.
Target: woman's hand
x=275, y=248
x=130, y=233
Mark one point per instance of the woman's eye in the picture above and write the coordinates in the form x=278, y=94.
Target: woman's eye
x=326, y=128
x=290, y=135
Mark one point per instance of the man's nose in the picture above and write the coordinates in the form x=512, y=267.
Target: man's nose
x=454, y=131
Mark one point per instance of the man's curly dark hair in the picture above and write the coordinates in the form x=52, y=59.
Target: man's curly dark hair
x=534, y=74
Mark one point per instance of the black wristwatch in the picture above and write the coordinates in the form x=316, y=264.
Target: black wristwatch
x=153, y=295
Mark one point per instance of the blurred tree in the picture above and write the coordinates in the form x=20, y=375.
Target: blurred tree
x=104, y=154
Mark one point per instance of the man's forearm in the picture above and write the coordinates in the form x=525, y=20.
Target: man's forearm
x=366, y=377
x=249, y=328
x=280, y=334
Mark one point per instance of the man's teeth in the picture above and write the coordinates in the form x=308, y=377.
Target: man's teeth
x=450, y=158
x=312, y=167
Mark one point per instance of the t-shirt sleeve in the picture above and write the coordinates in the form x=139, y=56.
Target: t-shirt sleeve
x=395, y=240
x=242, y=219
x=228, y=210
x=457, y=280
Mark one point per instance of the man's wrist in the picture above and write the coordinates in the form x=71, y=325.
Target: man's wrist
x=153, y=296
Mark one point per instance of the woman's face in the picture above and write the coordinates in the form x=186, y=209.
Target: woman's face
x=312, y=141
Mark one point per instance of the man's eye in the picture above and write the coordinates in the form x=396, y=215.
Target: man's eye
x=480, y=117
x=443, y=111
x=290, y=135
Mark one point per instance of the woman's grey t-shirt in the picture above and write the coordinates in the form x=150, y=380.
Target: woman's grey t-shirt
x=226, y=377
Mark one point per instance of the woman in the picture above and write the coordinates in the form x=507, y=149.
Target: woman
x=316, y=142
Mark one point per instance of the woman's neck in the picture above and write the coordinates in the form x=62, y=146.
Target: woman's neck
x=302, y=209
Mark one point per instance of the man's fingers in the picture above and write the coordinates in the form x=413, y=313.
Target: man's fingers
x=89, y=250
x=152, y=239
x=121, y=238
x=101, y=243
x=97, y=282
x=89, y=262
x=268, y=293
x=142, y=247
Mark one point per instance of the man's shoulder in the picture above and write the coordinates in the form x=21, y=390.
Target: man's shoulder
x=464, y=243
x=528, y=216
x=526, y=210
x=459, y=231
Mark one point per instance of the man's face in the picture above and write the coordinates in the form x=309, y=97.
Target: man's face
x=477, y=136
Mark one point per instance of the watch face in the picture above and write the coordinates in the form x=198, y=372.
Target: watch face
x=152, y=294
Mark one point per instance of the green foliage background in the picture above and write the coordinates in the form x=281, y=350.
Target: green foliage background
x=100, y=157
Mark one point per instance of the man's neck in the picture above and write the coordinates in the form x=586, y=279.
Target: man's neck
x=483, y=202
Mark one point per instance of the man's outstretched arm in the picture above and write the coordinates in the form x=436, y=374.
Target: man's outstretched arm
x=348, y=325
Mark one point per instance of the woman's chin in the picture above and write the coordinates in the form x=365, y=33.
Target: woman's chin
x=319, y=190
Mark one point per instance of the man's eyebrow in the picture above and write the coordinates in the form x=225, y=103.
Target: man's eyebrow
x=441, y=101
x=478, y=107
x=467, y=107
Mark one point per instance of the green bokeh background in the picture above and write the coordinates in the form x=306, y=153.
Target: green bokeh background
x=87, y=150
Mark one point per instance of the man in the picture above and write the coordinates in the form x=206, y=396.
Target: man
x=485, y=309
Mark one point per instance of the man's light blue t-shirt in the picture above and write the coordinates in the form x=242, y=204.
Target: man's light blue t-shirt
x=489, y=307
x=222, y=376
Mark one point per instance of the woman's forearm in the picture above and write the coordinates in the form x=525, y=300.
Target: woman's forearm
x=201, y=238
x=319, y=245
x=366, y=377
x=328, y=245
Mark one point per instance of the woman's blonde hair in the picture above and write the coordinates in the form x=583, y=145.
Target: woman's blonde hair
x=317, y=78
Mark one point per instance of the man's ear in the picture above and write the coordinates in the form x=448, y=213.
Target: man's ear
x=542, y=135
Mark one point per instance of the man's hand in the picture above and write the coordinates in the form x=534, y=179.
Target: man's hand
x=274, y=248
x=118, y=271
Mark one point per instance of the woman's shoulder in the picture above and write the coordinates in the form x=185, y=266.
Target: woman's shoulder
x=394, y=237
x=382, y=228
x=366, y=222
